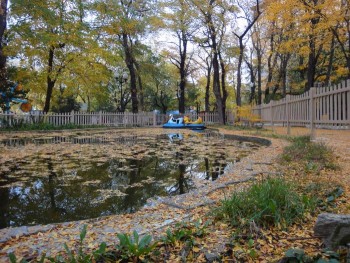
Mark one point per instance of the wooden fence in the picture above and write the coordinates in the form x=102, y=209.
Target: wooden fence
x=322, y=107
x=126, y=119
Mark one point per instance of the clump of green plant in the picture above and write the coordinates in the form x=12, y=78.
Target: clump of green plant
x=81, y=255
x=134, y=248
x=185, y=232
x=314, y=156
x=271, y=202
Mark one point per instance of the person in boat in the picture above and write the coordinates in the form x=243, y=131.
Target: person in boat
x=188, y=121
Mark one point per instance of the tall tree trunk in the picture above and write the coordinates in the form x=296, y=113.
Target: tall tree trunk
x=257, y=14
x=252, y=82
x=259, y=56
x=311, y=67
x=330, y=63
x=50, y=80
x=139, y=79
x=207, y=87
x=182, y=69
x=182, y=86
x=271, y=63
x=283, y=72
x=223, y=86
x=130, y=65
x=239, y=73
x=3, y=25
x=313, y=55
x=216, y=66
x=216, y=86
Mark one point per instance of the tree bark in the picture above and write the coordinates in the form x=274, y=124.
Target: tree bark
x=330, y=63
x=223, y=86
x=259, y=56
x=3, y=25
x=130, y=66
x=239, y=72
x=182, y=68
x=50, y=81
x=216, y=67
x=207, y=87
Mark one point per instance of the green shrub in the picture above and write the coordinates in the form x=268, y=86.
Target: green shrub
x=270, y=202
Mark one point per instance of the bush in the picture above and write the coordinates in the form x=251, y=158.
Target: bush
x=270, y=202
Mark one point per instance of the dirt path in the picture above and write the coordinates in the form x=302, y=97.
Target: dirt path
x=338, y=140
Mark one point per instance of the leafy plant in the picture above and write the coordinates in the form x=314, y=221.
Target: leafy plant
x=13, y=259
x=132, y=247
x=81, y=256
x=251, y=249
x=201, y=229
x=185, y=232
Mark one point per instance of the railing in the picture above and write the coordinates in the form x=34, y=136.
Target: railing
x=126, y=119
x=322, y=107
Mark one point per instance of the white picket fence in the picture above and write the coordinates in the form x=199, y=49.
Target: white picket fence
x=321, y=107
x=126, y=119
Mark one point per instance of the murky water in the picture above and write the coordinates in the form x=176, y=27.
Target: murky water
x=81, y=175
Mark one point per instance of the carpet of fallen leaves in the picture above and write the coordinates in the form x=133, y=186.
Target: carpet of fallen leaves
x=268, y=245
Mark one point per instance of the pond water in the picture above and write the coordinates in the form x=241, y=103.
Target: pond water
x=79, y=175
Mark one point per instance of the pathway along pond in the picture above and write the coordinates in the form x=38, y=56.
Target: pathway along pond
x=67, y=176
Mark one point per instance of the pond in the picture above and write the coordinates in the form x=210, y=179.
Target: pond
x=59, y=177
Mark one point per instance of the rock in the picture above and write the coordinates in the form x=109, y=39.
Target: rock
x=334, y=229
x=210, y=257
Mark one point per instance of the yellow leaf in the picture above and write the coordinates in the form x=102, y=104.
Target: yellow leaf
x=196, y=249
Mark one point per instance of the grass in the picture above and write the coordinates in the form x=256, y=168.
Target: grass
x=271, y=202
x=313, y=156
x=40, y=126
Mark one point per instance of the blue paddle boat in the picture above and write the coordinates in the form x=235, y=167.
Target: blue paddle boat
x=179, y=123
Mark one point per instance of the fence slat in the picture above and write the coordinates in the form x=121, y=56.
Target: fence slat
x=330, y=107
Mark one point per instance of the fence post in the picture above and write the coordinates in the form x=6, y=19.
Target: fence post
x=154, y=119
x=288, y=114
x=271, y=113
x=100, y=117
x=72, y=117
x=312, y=112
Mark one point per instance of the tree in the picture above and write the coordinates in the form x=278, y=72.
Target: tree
x=176, y=20
x=47, y=37
x=251, y=19
x=123, y=23
x=212, y=14
x=341, y=31
x=302, y=40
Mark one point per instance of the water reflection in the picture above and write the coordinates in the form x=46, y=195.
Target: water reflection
x=106, y=175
